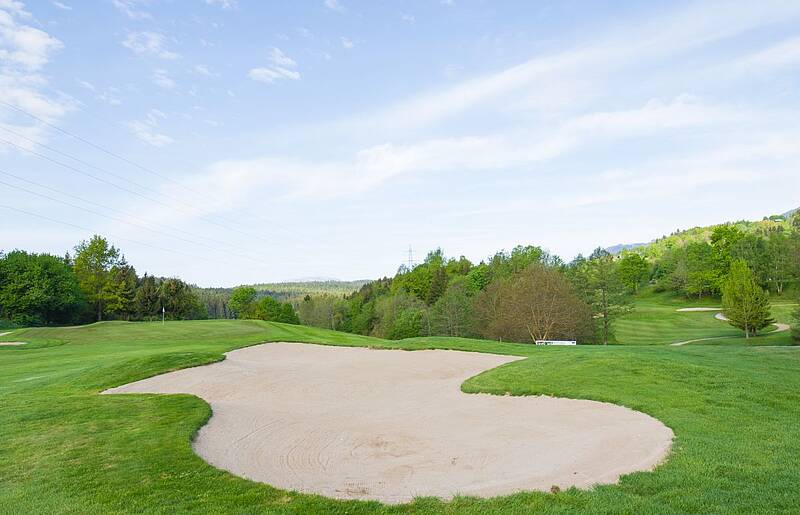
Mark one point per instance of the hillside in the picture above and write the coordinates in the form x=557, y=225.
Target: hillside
x=284, y=291
x=679, y=238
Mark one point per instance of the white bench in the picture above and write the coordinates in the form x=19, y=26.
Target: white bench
x=556, y=342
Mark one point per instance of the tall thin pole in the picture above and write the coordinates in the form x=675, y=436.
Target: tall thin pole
x=163, y=311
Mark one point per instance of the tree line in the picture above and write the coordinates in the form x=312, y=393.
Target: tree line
x=528, y=294
x=95, y=284
x=523, y=295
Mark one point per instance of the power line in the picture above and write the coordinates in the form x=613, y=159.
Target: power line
x=61, y=222
x=120, y=220
x=120, y=157
x=122, y=188
x=103, y=206
x=104, y=170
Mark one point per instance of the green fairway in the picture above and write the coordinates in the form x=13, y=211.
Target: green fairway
x=66, y=449
x=655, y=320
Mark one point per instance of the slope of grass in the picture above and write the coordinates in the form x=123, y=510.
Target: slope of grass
x=66, y=449
x=655, y=320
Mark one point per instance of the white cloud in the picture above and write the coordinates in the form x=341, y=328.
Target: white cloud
x=347, y=43
x=87, y=85
x=147, y=129
x=131, y=9
x=148, y=43
x=334, y=5
x=272, y=74
x=280, y=59
x=282, y=68
x=372, y=166
x=225, y=4
x=61, y=5
x=162, y=79
x=24, y=51
x=578, y=69
x=22, y=45
x=202, y=69
x=782, y=55
x=408, y=18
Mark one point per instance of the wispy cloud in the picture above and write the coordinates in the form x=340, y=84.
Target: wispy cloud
x=347, y=43
x=146, y=129
x=61, y=5
x=147, y=43
x=282, y=67
x=202, y=69
x=163, y=80
x=225, y=4
x=132, y=9
x=334, y=5
x=781, y=55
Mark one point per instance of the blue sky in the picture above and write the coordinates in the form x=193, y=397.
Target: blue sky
x=235, y=141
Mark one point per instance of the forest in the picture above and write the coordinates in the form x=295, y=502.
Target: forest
x=522, y=295
x=528, y=294
x=97, y=283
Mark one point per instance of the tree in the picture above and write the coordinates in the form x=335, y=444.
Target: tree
x=179, y=301
x=745, y=304
x=452, y=312
x=120, y=291
x=609, y=300
x=796, y=220
x=319, y=311
x=781, y=269
x=534, y=304
x=146, y=301
x=242, y=302
x=93, y=263
x=38, y=289
x=400, y=315
x=796, y=325
x=705, y=268
x=633, y=271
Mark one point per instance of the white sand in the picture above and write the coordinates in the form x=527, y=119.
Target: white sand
x=689, y=310
x=356, y=423
x=11, y=344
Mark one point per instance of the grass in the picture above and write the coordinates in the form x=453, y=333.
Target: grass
x=66, y=449
x=656, y=320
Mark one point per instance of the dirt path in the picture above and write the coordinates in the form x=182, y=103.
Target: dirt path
x=355, y=423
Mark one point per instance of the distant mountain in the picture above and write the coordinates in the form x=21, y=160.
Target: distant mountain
x=790, y=213
x=616, y=249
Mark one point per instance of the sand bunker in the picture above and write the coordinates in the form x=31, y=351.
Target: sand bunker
x=11, y=344
x=355, y=423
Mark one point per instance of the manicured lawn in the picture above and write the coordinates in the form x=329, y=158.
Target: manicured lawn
x=656, y=321
x=66, y=449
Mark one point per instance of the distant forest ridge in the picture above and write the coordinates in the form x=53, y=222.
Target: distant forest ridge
x=298, y=289
x=655, y=248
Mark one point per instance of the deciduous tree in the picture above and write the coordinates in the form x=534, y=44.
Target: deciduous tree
x=242, y=301
x=38, y=289
x=609, y=299
x=745, y=304
x=94, y=260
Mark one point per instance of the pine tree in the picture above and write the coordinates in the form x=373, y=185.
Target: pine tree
x=745, y=304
